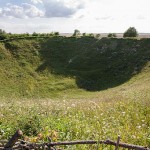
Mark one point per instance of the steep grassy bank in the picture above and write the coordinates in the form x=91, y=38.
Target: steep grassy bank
x=55, y=66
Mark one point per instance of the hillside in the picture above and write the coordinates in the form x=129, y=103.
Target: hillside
x=54, y=66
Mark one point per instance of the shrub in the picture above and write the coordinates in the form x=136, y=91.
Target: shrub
x=91, y=35
x=3, y=36
x=98, y=36
x=27, y=34
x=56, y=33
x=30, y=126
x=112, y=35
x=2, y=31
x=131, y=32
x=84, y=34
x=35, y=34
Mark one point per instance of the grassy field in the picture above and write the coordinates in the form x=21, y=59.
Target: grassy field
x=45, y=96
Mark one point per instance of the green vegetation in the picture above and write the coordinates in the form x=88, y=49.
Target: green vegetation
x=9, y=36
x=75, y=88
x=2, y=34
x=76, y=33
x=131, y=32
x=112, y=35
x=2, y=31
x=97, y=36
x=49, y=67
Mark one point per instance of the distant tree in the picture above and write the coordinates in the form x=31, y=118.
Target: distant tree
x=131, y=32
x=51, y=34
x=27, y=34
x=112, y=35
x=3, y=35
x=35, y=34
x=42, y=34
x=2, y=31
x=56, y=33
x=76, y=33
x=98, y=36
x=84, y=34
x=91, y=35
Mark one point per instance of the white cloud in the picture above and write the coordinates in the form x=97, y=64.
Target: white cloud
x=67, y=15
x=32, y=11
x=62, y=8
x=141, y=17
x=23, y=11
x=51, y=8
x=36, y=1
x=104, y=18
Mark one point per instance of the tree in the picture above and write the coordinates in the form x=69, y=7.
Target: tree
x=2, y=31
x=56, y=33
x=3, y=35
x=84, y=34
x=98, y=36
x=76, y=33
x=34, y=34
x=131, y=32
x=112, y=35
x=27, y=34
x=91, y=35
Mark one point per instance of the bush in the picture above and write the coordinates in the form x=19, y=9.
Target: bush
x=98, y=36
x=131, y=32
x=3, y=36
x=91, y=35
x=30, y=126
x=35, y=34
x=84, y=34
x=111, y=35
x=56, y=33
x=2, y=31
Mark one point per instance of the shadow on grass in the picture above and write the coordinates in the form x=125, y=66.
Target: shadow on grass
x=96, y=64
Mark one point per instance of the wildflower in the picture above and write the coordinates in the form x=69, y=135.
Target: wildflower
x=133, y=136
x=138, y=127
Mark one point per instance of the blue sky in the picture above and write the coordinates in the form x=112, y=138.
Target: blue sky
x=91, y=16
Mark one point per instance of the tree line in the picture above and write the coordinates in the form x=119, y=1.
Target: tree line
x=130, y=32
x=4, y=35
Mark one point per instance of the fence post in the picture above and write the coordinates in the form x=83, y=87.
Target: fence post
x=117, y=144
x=13, y=139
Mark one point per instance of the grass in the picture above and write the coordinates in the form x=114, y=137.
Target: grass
x=46, y=100
x=123, y=110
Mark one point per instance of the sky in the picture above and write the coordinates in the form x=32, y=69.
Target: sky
x=64, y=16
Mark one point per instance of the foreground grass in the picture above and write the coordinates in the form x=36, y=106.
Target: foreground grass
x=124, y=110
